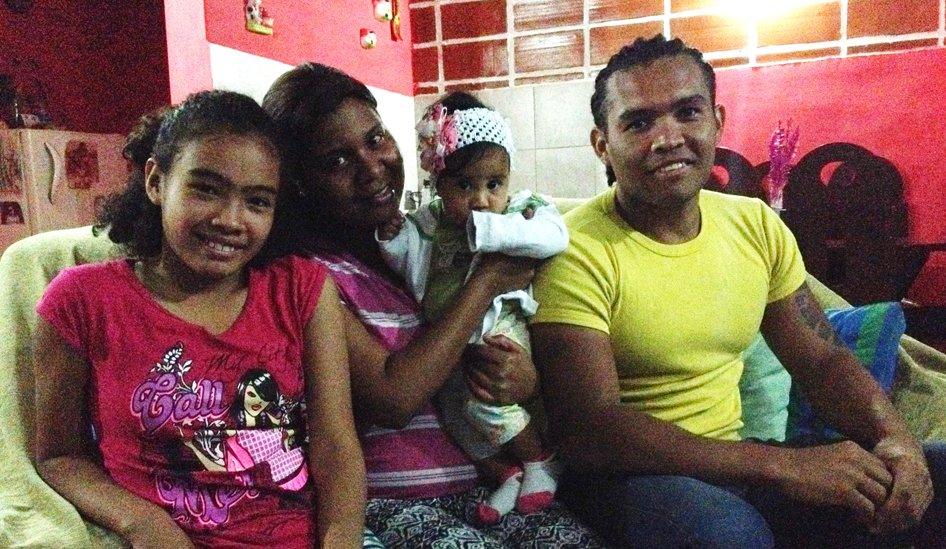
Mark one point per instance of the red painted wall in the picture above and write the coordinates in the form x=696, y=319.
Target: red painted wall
x=325, y=31
x=187, y=48
x=891, y=104
x=102, y=68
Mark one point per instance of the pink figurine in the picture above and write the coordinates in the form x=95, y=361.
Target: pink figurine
x=783, y=146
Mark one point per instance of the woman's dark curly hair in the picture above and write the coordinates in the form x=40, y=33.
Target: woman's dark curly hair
x=459, y=159
x=132, y=219
x=300, y=101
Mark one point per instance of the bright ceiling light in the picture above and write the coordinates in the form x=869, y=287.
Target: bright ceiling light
x=760, y=9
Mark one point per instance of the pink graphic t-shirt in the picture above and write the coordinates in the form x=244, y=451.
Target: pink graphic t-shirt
x=209, y=427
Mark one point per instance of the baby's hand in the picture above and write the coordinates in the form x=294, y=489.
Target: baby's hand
x=528, y=212
x=391, y=228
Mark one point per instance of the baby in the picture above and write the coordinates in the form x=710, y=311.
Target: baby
x=468, y=150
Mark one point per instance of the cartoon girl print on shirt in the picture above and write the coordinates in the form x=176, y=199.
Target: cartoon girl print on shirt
x=264, y=443
x=259, y=447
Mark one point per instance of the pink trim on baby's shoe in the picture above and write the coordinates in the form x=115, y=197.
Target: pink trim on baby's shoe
x=510, y=472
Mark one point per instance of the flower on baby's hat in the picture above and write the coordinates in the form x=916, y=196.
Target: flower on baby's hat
x=437, y=137
x=448, y=135
x=427, y=126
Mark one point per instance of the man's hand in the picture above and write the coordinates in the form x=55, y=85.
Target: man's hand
x=841, y=474
x=500, y=372
x=391, y=228
x=912, y=489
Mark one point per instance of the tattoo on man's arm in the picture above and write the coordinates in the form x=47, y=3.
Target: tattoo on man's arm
x=813, y=316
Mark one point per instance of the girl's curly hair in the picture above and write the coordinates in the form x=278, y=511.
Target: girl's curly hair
x=130, y=217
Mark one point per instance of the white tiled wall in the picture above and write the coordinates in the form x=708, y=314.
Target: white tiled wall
x=551, y=124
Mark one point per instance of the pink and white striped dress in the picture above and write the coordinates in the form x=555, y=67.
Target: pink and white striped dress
x=419, y=460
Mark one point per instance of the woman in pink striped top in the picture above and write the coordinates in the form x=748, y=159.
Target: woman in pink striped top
x=422, y=489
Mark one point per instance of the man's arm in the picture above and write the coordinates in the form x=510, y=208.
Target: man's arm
x=596, y=432
x=846, y=396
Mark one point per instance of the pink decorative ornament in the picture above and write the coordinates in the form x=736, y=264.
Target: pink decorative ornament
x=783, y=146
x=368, y=39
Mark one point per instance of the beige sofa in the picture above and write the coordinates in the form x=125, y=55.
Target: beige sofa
x=33, y=515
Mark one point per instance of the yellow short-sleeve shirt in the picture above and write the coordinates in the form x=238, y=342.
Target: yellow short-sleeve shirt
x=678, y=315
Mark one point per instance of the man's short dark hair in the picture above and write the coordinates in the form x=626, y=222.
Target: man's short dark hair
x=642, y=52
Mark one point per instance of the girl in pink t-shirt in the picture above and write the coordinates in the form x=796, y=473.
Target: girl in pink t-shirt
x=214, y=377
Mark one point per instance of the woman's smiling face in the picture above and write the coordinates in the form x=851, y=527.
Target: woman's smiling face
x=355, y=172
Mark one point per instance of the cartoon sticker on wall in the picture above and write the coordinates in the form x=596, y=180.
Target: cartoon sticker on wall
x=11, y=213
x=367, y=38
x=82, y=164
x=382, y=10
x=258, y=19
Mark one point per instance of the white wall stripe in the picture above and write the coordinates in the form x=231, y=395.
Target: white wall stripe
x=442, y=3
x=844, y=10
x=589, y=69
x=533, y=32
x=438, y=24
x=665, y=18
x=586, y=33
x=942, y=22
x=752, y=41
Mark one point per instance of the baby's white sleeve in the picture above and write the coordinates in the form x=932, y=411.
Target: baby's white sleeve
x=408, y=254
x=512, y=234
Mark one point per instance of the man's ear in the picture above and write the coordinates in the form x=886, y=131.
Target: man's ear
x=599, y=142
x=153, y=183
x=720, y=112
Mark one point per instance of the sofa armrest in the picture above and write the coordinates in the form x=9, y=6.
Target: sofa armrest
x=31, y=513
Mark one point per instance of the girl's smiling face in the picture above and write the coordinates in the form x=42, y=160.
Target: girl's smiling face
x=217, y=204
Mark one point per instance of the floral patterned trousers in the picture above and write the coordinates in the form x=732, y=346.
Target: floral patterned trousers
x=447, y=522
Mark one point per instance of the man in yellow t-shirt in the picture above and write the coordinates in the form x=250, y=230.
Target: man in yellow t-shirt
x=639, y=333
x=678, y=316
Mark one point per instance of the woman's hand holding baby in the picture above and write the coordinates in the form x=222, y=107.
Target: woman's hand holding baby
x=500, y=372
x=503, y=273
